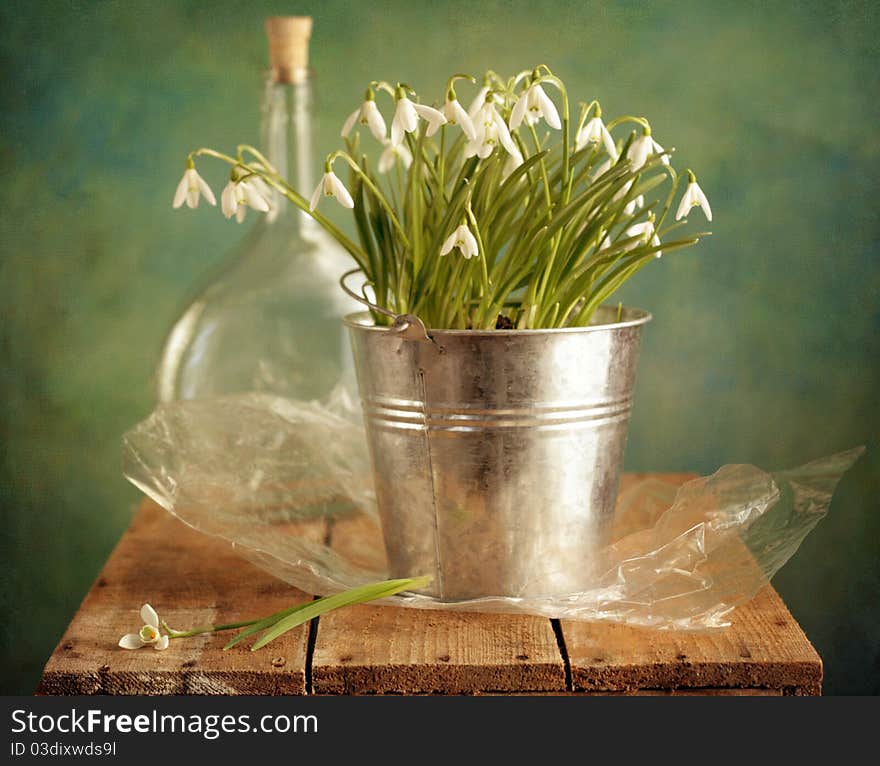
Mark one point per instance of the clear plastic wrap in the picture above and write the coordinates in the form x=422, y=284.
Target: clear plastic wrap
x=288, y=484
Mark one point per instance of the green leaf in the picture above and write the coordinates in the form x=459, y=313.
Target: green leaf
x=359, y=595
x=266, y=622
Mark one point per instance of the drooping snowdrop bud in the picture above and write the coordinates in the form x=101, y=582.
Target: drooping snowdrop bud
x=693, y=197
x=593, y=132
x=456, y=115
x=238, y=196
x=406, y=118
x=392, y=154
x=646, y=233
x=262, y=188
x=191, y=186
x=464, y=240
x=479, y=100
x=634, y=204
x=490, y=130
x=533, y=105
x=434, y=117
x=642, y=148
x=331, y=186
x=367, y=114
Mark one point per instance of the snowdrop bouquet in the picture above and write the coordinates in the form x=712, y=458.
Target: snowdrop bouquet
x=505, y=214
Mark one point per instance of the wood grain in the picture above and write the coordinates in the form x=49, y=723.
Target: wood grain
x=763, y=649
x=191, y=580
x=380, y=650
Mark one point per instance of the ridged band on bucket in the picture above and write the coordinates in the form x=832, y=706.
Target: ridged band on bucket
x=397, y=413
x=497, y=454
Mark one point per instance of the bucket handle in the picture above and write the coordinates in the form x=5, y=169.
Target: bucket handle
x=408, y=326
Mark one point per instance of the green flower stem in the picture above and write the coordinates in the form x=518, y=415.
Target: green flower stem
x=288, y=191
x=585, y=112
x=538, y=231
x=258, y=155
x=676, y=181
x=280, y=622
x=481, y=255
x=566, y=138
x=207, y=629
x=416, y=200
x=383, y=201
x=291, y=194
x=629, y=118
x=544, y=176
x=204, y=152
x=441, y=164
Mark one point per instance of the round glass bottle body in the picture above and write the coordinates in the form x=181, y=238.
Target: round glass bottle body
x=269, y=317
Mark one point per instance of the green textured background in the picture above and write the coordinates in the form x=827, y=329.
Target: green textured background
x=764, y=348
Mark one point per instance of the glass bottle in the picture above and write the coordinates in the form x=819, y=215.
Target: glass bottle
x=270, y=319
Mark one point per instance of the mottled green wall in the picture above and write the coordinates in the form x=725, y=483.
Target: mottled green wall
x=765, y=343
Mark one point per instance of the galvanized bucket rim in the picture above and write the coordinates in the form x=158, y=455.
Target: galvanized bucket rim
x=362, y=320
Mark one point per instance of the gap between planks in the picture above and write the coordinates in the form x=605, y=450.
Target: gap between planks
x=371, y=649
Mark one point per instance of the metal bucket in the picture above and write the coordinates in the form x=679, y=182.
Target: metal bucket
x=497, y=454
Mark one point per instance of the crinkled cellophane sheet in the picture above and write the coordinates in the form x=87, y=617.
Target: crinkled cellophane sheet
x=280, y=480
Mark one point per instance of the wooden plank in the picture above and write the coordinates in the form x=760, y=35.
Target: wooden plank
x=389, y=650
x=692, y=692
x=763, y=649
x=416, y=652
x=191, y=579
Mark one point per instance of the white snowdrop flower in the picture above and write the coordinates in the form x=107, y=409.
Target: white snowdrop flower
x=238, y=196
x=593, y=132
x=490, y=130
x=634, y=204
x=478, y=101
x=463, y=239
x=645, y=231
x=148, y=635
x=693, y=197
x=512, y=162
x=331, y=186
x=191, y=186
x=366, y=114
x=456, y=115
x=262, y=188
x=532, y=105
x=406, y=119
x=642, y=148
x=392, y=154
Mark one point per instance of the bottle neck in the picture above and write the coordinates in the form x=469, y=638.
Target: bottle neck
x=288, y=142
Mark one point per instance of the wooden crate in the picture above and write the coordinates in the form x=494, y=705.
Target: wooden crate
x=192, y=580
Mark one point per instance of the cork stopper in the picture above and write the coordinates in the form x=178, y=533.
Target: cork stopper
x=289, y=46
